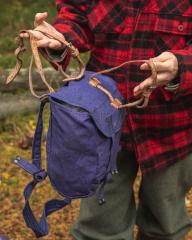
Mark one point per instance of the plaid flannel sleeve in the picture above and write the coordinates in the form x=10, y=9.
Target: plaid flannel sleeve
x=72, y=22
x=54, y=57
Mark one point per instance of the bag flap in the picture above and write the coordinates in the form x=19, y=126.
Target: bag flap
x=81, y=94
x=108, y=119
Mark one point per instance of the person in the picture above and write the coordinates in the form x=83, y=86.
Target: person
x=157, y=139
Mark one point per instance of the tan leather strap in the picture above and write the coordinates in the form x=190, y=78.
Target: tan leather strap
x=36, y=59
x=74, y=52
x=140, y=103
x=18, y=52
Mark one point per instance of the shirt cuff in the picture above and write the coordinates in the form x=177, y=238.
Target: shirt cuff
x=54, y=55
x=184, y=58
x=61, y=56
x=173, y=85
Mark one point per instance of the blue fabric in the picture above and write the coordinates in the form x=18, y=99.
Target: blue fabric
x=3, y=237
x=82, y=94
x=40, y=227
x=82, y=145
x=36, y=148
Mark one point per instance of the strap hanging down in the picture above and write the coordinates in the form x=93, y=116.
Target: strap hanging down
x=112, y=167
x=36, y=58
x=36, y=148
x=40, y=228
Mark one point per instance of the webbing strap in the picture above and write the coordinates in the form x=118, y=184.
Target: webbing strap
x=36, y=148
x=40, y=228
x=111, y=168
x=115, y=148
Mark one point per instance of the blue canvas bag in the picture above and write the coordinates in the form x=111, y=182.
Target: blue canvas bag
x=86, y=117
x=82, y=146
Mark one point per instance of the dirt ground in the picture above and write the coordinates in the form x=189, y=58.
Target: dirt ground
x=59, y=223
x=16, y=140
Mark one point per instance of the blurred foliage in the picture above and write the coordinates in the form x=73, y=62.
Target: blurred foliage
x=16, y=15
x=19, y=14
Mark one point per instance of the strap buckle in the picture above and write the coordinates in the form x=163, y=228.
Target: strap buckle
x=40, y=176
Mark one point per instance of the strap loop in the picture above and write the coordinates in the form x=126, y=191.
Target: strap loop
x=36, y=59
x=40, y=227
x=40, y=176
x=140, y=103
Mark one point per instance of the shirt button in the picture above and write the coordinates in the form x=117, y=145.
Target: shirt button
x=180, y=27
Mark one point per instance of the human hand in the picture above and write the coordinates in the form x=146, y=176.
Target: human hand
x=42, y=40
x=166, y=65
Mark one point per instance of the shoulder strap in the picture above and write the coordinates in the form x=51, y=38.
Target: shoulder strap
x=40, y=227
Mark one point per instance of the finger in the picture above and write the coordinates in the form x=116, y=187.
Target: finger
x=39, y=18
x=36, y=34
x=159, y=66
x=43, y=43
x=144, y=66
x=54, y=44
x=24, y=35
x=143, y=86
x=50, y=43
x=162, y=79
x=162, y=57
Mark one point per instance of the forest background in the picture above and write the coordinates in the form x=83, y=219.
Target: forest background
x=16, y=133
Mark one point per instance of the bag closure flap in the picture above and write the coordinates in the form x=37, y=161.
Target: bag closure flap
x=81, y=94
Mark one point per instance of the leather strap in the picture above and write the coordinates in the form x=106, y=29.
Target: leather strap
x=36, y=59
x=140, y=103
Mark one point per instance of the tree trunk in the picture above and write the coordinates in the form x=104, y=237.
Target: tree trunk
x=54, y=78
x=12, y=104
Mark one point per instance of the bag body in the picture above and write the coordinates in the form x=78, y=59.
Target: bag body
x=79, y=159
x=83, y=129
x=82, y=145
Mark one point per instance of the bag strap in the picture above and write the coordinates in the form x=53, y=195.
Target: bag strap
x=36, y=59
x=140, y=103
x=40, y=228
x=116, y=103
x=111, y=168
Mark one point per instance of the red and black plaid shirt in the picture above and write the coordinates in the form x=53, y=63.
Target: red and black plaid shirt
x=117, y=31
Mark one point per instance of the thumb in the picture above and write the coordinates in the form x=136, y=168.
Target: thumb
x=161, y=58
x=39, y=18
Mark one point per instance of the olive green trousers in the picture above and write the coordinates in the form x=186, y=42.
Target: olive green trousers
x=161, y=213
